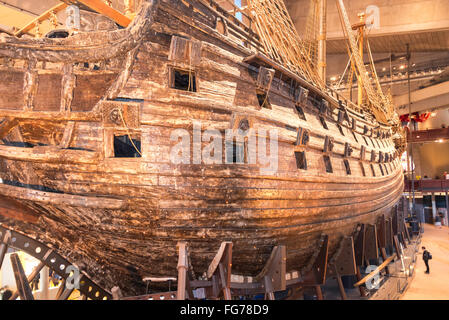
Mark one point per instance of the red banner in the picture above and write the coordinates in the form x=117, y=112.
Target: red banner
x=415, y=117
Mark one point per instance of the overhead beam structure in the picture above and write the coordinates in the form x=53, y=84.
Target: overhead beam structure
x=38, y=20
x=433, y=97
x=12, y=19
x=102, y=8
x=430, y=135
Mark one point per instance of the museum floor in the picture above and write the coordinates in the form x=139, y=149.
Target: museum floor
x=432, y=286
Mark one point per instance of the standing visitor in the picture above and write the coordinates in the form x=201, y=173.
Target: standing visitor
x=426, y=256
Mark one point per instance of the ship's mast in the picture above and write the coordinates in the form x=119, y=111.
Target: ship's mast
x=322, y=41
x=360, y=27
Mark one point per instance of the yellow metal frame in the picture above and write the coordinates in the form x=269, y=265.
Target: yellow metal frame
x=46, y=15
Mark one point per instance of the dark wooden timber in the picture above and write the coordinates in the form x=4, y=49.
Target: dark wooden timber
x=23, y=286
x=30, y=278
x=220, y=271
x=4, y=247
x=374, y=272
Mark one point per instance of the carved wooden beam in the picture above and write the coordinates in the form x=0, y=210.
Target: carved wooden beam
x=67, y=87
x=67, y=136
x=30, y=82
x=122, y=78
x=7, y=125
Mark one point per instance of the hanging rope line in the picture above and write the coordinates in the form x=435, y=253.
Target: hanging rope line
x=280, y=39
x=127, y=132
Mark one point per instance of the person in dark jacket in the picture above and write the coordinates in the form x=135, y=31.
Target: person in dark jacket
x=6, y=294
x=426, y=256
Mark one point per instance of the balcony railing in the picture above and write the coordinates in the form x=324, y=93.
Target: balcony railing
x=434, y=185
x=431, y=135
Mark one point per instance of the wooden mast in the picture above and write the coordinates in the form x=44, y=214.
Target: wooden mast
x=322, y=41
x=360, y=27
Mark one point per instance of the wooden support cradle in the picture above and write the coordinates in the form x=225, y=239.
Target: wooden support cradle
x=184, y=290
x=4, y=246
x=30, y=278
x=220, y=271
x=272, y=275
x=343, y=263
x=316, y=277
x=359, y=250
x=23, y=287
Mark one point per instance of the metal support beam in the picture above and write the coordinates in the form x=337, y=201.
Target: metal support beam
x=446, y=218
x=434, y=206
x=48, y=256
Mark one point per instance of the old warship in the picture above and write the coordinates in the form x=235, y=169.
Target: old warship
x=85, y=148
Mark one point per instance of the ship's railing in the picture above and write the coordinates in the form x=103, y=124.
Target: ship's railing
x=212, y=13
x=431, y=185
x=245, y=22
x=241, y=31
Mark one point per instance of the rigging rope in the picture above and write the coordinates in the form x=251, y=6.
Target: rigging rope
x=127, y=131
x=280, y=39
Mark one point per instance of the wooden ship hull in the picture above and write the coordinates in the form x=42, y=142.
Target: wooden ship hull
x=123, y=216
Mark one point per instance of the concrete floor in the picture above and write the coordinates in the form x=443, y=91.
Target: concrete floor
x=433, y=286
